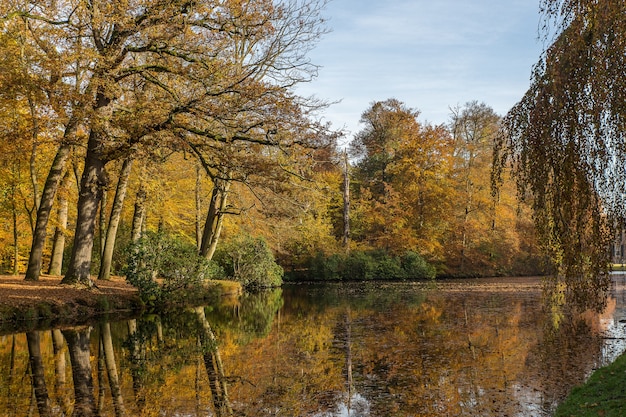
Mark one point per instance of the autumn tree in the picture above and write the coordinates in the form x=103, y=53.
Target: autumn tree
x=164, y=72
x=259, y=136
x=45, y=75
x=400, y=177
x=565, y=140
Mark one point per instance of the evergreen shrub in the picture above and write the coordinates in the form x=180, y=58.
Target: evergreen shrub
x=160, y=265
x=360, y=265
x=250, y=261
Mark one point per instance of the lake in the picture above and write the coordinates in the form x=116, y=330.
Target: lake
x=484, y=347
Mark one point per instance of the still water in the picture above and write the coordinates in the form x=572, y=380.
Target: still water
x=476, y=348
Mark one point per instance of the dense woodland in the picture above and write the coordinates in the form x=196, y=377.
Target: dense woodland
x=122, y=118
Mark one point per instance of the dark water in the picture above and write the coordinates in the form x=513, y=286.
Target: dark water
x=479, y=348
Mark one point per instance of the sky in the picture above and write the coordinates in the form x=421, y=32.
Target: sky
x=433, y=55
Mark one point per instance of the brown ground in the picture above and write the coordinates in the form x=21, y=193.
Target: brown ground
x=23, y=302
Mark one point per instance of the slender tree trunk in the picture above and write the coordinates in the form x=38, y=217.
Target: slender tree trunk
x=114, y=220
x=33, y=156
x=33, y=164
x=16, y=250
x=139, y=214
x=215, y=217
x=102, y=221
x=346, y=202
x=78, y=345
x=468, y=208
x=58, y=243
x=33, y=340
x=60, y=387
x=198, y=208
x=91, y=185
x=45, y=208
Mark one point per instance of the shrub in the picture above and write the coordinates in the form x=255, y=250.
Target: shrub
x=176, y=263
x=415, y=267
x=358, y=265
x=388, y=267
x=250, y=261
x=324, y=268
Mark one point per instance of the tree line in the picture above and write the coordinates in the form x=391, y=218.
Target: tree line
x=190, y=109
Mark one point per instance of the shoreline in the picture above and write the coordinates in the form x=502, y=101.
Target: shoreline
x=34, y=305
x=46, y=303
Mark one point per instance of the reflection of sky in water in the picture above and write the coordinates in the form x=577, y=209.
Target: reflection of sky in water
x=614, y=325
x=358, y=407
x=613, y=330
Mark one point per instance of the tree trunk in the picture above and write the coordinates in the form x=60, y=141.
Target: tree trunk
x=58, y=244
x=215, y=217
x=16, y=250
x=78, y=344
x=139, y=214
x=45, y=208
x=33, y=164
x=109, y=358
x=114, y=220
x=37, y=373
x=198, y=208
x=346, y=202
x=91, y=185
x=102, y=221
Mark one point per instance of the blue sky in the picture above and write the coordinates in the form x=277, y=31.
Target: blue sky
x=430, y=54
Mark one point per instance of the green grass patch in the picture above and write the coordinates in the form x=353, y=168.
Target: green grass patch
x=604, y=394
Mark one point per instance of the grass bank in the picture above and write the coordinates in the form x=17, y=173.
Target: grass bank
x=604, y=394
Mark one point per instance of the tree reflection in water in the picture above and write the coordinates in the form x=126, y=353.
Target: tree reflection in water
x=79, y=350
x=334, y=350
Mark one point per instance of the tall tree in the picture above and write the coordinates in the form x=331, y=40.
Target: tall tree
x=186, y=60
x=566, y=140
x=58, y=242
x=401, y=170
x=114, y=219
x=474, y=128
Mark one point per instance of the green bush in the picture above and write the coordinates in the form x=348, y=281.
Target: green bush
x=250, y=261
x=389, y=268
x=415, y=267
x=359, y=265
x=173, y=261
x=324, y=268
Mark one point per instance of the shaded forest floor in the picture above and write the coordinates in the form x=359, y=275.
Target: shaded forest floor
x=27, y=305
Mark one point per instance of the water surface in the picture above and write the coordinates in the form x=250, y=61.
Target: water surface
x=480, y=347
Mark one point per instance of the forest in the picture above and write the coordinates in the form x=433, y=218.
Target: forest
x=177, y=122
